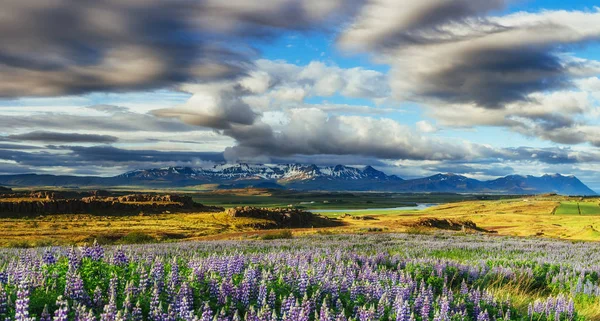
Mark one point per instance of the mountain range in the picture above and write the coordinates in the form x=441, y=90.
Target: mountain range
x=310, y=177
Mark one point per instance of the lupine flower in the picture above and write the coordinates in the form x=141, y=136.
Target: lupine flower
x=45, y=314
x=22, y=302
x=62, y=312
x=48, y=258
x=119, y=258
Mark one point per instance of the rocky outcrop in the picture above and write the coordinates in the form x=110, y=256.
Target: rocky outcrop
x=5, y=189
x=186, y=201
x=452, y=225
x=283, y=217
x=130, y=204
x=54, y=195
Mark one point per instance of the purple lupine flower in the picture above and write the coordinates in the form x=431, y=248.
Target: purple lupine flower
x=206, y=313
x=48, y=258
x=62, y=312
x=119, y=258
x=425, y=308
x=444, y=310
x=22, y=302
x=97, y=301
x=403, y=312
x=324, y=314
x=45, y=314
x=171, y=313
x=3, y=300
x=136, y=313
x=570, y=308
x=97, y=253
x=110, y=310
x=74, y=258
x=483, y=316
x=366, y=314
x=74, y=288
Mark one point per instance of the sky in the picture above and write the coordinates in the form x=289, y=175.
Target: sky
x=482, y=88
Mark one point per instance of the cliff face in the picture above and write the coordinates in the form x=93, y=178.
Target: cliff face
x=129, y=204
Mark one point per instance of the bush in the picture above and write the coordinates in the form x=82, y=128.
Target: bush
x=136, y=238
x=417, y=230
x=285, y=234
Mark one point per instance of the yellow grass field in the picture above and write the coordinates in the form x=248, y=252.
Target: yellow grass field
x=525, y=217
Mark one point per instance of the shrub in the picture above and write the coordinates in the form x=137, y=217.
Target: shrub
x=285, y=234
x=136, y=238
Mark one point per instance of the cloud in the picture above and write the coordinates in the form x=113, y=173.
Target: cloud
x=451, y=52
x=215, y=106
x=424, y=126
x=311, y=131
x=561, y=117
x=113, y=118
x=102, y=159
x=272, y=87
x=386, y=24
x=55, y=137
x=61, y=47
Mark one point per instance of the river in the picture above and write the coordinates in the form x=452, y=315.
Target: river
x=421, y=206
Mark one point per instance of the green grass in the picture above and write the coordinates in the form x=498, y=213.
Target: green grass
x=589, y=208
x=578, y=208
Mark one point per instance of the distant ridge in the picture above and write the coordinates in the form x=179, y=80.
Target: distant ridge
x=312, y=177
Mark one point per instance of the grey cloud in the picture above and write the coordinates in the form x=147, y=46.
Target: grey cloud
x=99, y=154
x=71, y=47
x=77, y=157
x=17, y=146
x=559, y=117
x=494, y=170
x=471, y=58
x=117, y=120
x=312, y=132
x=56, y=137
x=216, y=106
x=386, y=24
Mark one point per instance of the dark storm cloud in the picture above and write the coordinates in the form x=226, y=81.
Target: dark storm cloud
x=64, y=47
x=54, y=137
x=16, y=146
x=493, y=77
x=99, y=154
x=105, y=156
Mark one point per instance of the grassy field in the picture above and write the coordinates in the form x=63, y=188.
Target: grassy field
x=578, y=208
x=78, y=229
x=553, y=217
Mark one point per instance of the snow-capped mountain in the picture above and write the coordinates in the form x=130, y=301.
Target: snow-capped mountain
x=311, y=177
x=284, y=173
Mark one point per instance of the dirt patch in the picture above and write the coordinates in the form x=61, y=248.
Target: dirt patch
x=451, y=225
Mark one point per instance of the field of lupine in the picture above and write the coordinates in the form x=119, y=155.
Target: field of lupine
x=346, y=277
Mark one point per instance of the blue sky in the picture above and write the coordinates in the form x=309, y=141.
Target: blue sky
x=411, y=88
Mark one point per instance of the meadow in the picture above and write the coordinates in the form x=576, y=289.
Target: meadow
x=400, y=277
x=542, y=216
